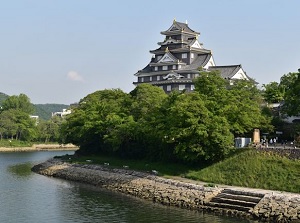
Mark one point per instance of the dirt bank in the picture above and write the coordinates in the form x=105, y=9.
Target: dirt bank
x=39, y=147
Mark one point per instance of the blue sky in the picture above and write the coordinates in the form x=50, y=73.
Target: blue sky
x=58, y=51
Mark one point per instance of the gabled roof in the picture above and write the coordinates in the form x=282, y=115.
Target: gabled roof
x=168, y=57
x=195, y=44
x=179, y=27
x=228, y=72
x=200, y=61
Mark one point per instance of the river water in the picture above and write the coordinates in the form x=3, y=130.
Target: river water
x=29, y=197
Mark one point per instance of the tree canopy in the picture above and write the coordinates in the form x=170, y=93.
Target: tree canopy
x=147, y=123
x=291, y=85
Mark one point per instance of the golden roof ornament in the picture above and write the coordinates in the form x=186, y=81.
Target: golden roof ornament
x=174, y=20
x=167, y=49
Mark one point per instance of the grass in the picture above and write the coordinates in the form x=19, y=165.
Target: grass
x=253, y=169
x=165, y=169
x=247, y=168
x=14, y=143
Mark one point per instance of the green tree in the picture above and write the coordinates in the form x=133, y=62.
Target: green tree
x=239, y=102
x=90, y=124
x=21, y=102
x=185, y=124
x=291, y=85
x=18, y=125
x=273, y=92
x=49, y=131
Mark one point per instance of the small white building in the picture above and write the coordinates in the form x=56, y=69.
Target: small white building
x=62, y=113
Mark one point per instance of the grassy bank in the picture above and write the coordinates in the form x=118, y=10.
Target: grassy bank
x=247, y=168
x=253, y=169
x=164, y=169
x=14, y=143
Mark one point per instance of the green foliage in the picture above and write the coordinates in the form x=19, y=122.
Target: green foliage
x=291, y=85
x=193, y=131
x=273, y=92
x=251, y=168
x=21, y=103
x=3, y=97
x=147, y=123
x=14, y=143
x=49, y=131
x=15, y=122
x=239, y=103
x=90, y=124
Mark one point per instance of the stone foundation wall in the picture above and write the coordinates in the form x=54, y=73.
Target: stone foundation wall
x=291, y=153
x=273, y=207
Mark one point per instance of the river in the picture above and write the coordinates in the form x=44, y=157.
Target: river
x=28, y=198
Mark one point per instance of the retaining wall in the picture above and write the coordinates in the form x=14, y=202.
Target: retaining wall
x=274, y=206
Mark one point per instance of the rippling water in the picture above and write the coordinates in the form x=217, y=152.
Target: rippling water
x=29, y=197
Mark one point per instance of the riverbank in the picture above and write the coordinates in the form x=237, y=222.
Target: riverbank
x=39, y=147
x=272, y=206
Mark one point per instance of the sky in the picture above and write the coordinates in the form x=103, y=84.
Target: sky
x=59, y=51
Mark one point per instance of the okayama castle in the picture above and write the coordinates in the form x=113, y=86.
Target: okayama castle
x=176, y=62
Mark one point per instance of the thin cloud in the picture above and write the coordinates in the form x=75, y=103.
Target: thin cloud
x=74, y=76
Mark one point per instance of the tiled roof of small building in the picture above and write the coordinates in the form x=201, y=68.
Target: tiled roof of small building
x=227, y=72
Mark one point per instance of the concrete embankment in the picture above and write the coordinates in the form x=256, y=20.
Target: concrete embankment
x=269, y=206
x=39, y=147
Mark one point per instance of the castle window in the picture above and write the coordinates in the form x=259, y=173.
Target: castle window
x=181, y=87
x=196, y=75
x=192, y=87
x=179, y=66
x=174, y=67
x=150, y=78
x=158, y=78
x=142, y=79
x=165, y=67
x=188, y=75
x=184, y=55
x=156, y=68
x=192, y=56
x=169, y=87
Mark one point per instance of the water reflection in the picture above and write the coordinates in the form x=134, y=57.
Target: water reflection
x=29, y=197
x=20, y=170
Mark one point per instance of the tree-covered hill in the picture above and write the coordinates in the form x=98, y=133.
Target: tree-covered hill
x=44, y=111
x=3, y=97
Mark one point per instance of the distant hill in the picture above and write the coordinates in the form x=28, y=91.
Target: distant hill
x=44, y=111
x=3, y=97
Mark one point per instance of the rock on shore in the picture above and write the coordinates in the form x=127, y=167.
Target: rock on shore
x=273, y=206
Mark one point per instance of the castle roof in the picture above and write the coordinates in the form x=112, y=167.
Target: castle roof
x=229, y=71
x=200, y=61
x=179, y=27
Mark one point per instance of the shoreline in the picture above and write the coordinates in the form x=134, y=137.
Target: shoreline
x=264, y=205
x=40, y=147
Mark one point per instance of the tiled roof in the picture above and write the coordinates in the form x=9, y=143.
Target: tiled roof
x=200, y=61
x=161, y=82
x=146, y=69
x=178, y=27
x=227, y=72
x=185, y=27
